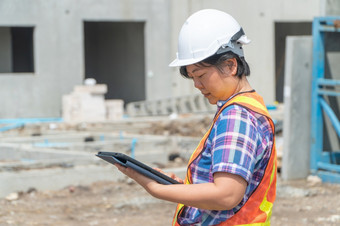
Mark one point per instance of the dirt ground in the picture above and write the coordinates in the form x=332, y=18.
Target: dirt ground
x=125, y=203
x=303, y=202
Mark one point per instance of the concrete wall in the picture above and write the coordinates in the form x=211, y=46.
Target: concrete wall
x=330, y=7
x=59, y=47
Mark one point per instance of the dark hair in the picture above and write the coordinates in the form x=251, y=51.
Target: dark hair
x=217, y=61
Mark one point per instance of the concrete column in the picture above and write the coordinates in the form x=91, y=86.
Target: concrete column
x=297, y=92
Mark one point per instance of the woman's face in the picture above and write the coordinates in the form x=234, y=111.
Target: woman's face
x=214, y=84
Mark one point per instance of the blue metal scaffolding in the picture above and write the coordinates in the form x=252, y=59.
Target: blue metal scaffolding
x=324, y=163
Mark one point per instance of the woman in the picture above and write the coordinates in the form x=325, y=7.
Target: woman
x=231, y=177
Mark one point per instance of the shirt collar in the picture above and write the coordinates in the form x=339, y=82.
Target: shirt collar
x=220, y=103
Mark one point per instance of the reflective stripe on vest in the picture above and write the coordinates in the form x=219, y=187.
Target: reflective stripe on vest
x=258, y=208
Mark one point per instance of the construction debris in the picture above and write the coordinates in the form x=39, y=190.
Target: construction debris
x=87, y=104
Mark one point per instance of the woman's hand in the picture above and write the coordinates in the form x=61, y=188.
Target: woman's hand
x=148, y=184
x=171, y=175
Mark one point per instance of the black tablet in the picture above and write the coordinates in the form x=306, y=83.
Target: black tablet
x=124, y=160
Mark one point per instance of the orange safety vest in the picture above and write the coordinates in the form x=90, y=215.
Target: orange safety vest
x=258, y=208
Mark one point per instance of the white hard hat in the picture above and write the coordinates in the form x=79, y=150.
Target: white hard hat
x=207, y=32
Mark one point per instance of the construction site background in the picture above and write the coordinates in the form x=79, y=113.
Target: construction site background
x=49, y=174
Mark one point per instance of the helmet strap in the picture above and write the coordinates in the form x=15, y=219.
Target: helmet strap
x=233, y=45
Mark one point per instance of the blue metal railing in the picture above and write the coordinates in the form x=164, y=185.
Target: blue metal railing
x=325, y=164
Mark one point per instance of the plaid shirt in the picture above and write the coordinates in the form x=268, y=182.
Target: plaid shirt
x=240, y=143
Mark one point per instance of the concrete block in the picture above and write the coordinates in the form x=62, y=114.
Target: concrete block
x=151, y=107
x=170, y=106
x=92, y=89
x=114, y=109
x=200, y=103
x=136, y=109
x=79, y=107
x=297, y=96
x=143, y=109
x=180, y=105
x=192, y=105
x=165, y=107
x=174, y=108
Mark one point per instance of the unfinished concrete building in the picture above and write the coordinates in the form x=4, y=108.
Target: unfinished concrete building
x=47, y=47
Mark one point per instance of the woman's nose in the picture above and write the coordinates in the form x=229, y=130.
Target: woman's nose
x=197, y=83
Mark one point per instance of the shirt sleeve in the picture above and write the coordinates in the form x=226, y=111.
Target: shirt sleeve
x=234, y=143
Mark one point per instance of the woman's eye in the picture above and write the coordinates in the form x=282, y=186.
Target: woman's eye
x=196, y=76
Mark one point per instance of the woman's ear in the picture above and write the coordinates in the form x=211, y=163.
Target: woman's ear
x=231, y=66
